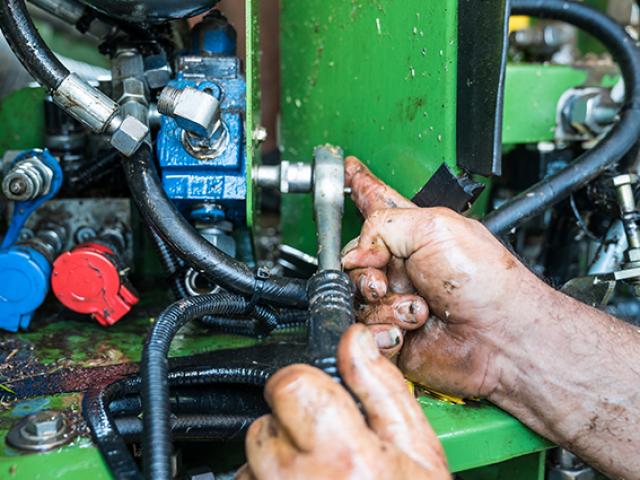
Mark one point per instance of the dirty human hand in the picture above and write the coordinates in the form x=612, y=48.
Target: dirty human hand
x=410, y=254
x=565, y=369
x=317, y=432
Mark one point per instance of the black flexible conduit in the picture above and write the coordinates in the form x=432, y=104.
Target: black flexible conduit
x=28, y=46
x=612, y=147
x=95, y=408
x=156, y=444
x=286, y=318
x=191, y=427
x=226, y=271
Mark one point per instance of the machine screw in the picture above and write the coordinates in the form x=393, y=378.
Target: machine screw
x=41, y=431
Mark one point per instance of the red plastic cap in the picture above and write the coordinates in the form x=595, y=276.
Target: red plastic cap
x=86, y=280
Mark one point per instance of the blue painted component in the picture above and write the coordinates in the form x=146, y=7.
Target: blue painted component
x=214, y=36
x=218, y=42
x=22, y=210
x=207, y=214
x=188, y=180
x=25, y=284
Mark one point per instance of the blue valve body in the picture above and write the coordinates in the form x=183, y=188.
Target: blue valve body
x=24, y=284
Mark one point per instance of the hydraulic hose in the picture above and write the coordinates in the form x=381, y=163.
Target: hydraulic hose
x=612, y=147
x=224, y=270
x=156, y=444
x=191, y=427
x=95, y=408
x=27, y=44
x=222, y=399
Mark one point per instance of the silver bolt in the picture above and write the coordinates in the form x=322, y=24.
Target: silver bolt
x=44, y=425
x=40, y=431
x=260, y=134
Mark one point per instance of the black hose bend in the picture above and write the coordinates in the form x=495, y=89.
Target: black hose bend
x=95, y=408
x=156, y=445
x=28, y=46
x=96, y=401
x=612, y=147
x=224, y=270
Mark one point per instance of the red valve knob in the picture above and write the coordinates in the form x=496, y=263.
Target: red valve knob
x=87, y=280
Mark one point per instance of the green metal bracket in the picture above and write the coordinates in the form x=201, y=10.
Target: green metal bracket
x=253, y=100
x=377, y=78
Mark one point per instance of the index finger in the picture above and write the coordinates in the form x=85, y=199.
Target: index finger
x=369, y=192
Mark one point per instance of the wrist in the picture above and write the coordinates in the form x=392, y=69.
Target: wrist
x=527, y=323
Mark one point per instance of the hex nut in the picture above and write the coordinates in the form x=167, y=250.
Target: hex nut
x=40, y=431
x=132, y=90
x=634, y=255
x=157, y=71
x=129, y=136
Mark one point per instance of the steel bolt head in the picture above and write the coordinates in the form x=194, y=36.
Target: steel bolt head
x=40, y=431
x=627, y=179
x=44, y=424
x=634, y=255
x=129, y=136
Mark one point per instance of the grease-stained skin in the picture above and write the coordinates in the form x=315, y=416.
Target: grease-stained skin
x=317, y=432
x=567, y=370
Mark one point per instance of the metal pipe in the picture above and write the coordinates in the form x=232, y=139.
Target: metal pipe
x=328, y=202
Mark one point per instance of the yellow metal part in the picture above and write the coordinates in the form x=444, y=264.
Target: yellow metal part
x=518, y=22
x=434, y=394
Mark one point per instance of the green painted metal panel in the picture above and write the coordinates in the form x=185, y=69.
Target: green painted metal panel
x=479, y=434
x=377, y=77
x=531, y=95
x=253, y=100
x=22, y=119
x=528, y=467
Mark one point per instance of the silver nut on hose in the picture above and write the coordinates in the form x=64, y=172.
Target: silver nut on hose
x=27, y=180
x=129, y=136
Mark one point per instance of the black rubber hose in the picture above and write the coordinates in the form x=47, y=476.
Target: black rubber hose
x=28, y=46
x=612, y=147
x=224, y=270
x=286, y=318
x=95, y=409
x=191, y=427
x=222, y=399
x=156, y=444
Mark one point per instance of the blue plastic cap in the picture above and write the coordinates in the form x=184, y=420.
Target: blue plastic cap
x=25, y=274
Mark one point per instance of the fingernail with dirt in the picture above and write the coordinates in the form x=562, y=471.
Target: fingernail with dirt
x=388, y=338
x=408, y=311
